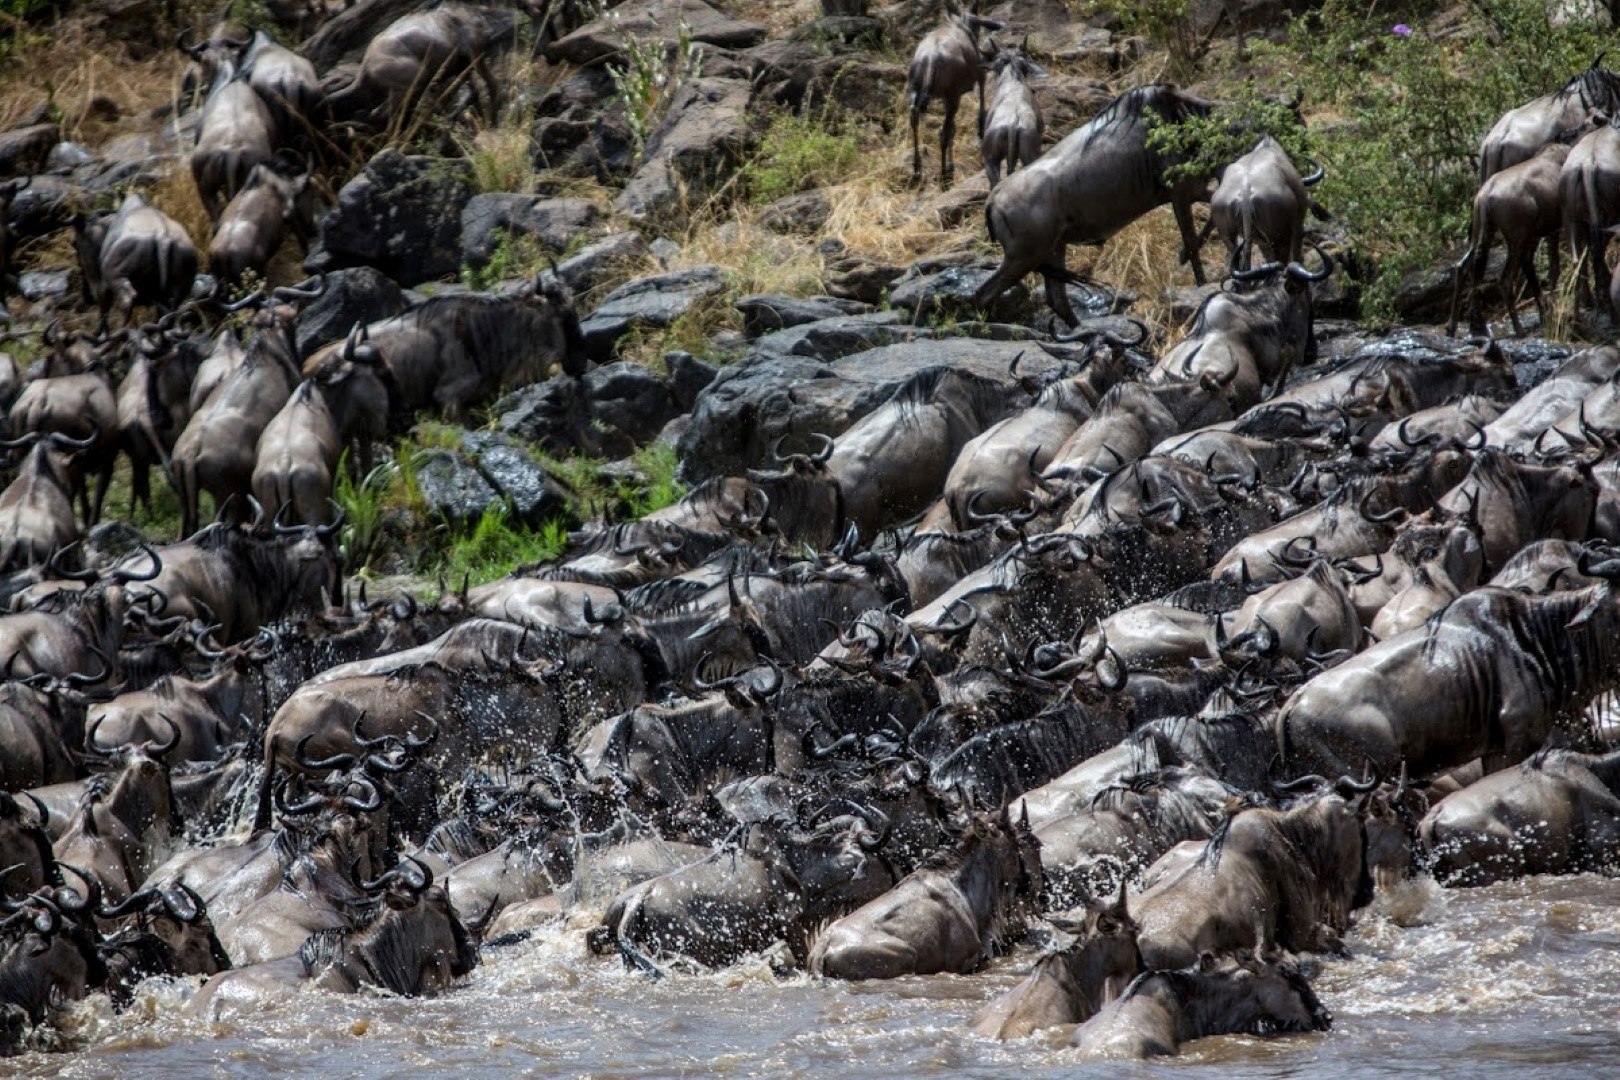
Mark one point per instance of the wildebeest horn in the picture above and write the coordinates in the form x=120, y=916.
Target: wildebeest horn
x=363, y=742
x=1310, y=782
x=1299, y=273
x=126, y=575
x=159, y=750
x=139, y=900
x=336, y=761
x=61, y=439
x=421, y=880
x=415, y=745
x=944, y=625
x=88, y=899
x=1314, y=177
x=299, y=292
x=1347, y=786
x=323, y=531
x=184, y=904
x=295, y=809
x=207, y=652
x=1389, y=515
x=1589, y=564
x=40, y=808
x=364, y=805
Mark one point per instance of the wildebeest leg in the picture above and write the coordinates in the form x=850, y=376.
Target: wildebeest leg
x=996, y=284
x=1596, y=248
x=916, y=148
x=947, y=136
x=1530, y=276
x=981, y=105
x=1057, y=294
x=140, y=483
x=103, y=478
x=1189, y=237
x=1510, y=287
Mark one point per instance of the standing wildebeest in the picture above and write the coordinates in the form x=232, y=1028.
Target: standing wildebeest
x=299, y=451
x=1099, y=179
x=418, y=52
x=454, y=352
x=285, y=81
x=237, y=133
x=36, y=508
x=1013, y=127
x=1523, y=131
x=8, y=191
x=137, y=255
x=254, y=223
x=154, y=402
x=1589, y=198
x=1520, y=202
x=1261, y=199
x=946, y=65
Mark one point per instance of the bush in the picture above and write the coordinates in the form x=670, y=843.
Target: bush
x=799, y=153
x=1166, y=23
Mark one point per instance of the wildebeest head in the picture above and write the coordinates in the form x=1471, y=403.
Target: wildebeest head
x=177, y=916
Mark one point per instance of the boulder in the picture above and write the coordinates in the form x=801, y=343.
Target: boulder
x=858, y=278
x=697, y=148
x=688, y=377
x=531, y=495
x=752, y=404
x=401, y=215
x=594, y=265
x=23, y=150
x=764, y=314
x=1425, y=295
x=655, y=302
x=356, y=295
x=46, y=205
x=806, y=212
x=926, y=292
x=551, y=223
x=629, y=406
x=36, y=285
x=553, y=416
x=652, y=22
x=452, y=487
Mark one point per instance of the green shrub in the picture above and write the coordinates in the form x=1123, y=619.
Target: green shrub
x=497, y=545
x=1200, y=146
x=513, y=257
x=646, y=78
x=799, y=153
x=1166, y=23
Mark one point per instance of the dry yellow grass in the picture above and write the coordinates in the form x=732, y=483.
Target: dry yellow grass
x=79, y=71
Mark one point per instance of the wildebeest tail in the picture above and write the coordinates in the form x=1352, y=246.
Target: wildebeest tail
x=919, y=81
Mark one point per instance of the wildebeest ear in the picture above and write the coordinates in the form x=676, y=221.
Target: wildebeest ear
x=1206, y=962
x=1600, y=599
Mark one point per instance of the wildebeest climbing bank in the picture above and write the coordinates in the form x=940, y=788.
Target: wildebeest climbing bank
x=574, y=537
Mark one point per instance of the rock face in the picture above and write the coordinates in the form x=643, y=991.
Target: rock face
x=655, y=301
x=1425, y=295
x=610, y=412
x=652, y=22
x=696, y=148
x=552, y=223
x=765, y=314
x=357, y=295
x=752, y=404
x=593, y=265
x=402, y=215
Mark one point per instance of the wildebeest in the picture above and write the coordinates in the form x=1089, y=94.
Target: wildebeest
x=1556, y=813
x=1099, y=179
x=257, y=219
x=1521, y=133
x=1486, y=677
x=286, y=82
x=237, y=134
x=431, y=50
x=1589, y=202
x=1261, y=202
x=1069, y=985
x=138, y=255
x=8, y=191
x=36, y=508
x=951, y=915
x=1160, y=1010
x=1013, y=126
x=1267, y=879
x=1522, y=203
x=946, y=64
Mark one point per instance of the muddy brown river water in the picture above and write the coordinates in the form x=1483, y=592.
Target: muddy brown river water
x=1517, y=980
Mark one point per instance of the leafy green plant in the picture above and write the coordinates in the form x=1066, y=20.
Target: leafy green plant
x=1200, y=146
x=513, y=257
x=496, y=545
x=1166, y=23
x=365, y=503
x=646, y=78
x=798, y=153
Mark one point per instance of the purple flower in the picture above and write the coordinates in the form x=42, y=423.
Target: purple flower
x=1401, y=29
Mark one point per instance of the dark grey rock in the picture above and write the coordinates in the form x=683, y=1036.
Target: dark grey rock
x=688, y=377
x=35, y=285
x=694, y=150
x=652, y=22
x=67, y=155
x=401, y=215
x=532, y=495
x=23, y=150
x=593, y=265
x=452, y=487
x=664, y=250
x=921, y=294
x=1425, y=295
x=552, y=223
x=553, y=416
x=630, y=402
x=806, y=212
x=752, y=404
x=655, y=301
x=357, y=295
x=861, y=279
x=765, y=314
x=851, y=29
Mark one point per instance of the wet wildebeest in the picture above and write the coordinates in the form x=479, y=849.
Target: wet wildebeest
x=1160, y=1010
x=1557, y=813
x=257, y=220
x=1069, y=985
x=1521, y=133
x=1589, y=200
x=1261, y=201
x=36, y=508
x=952, y=915
x=1013, y=126
x=1267, y=879
x=138, y=255
x=946, y=64
x=1099, y=179
x=237, y=134
x=1522, y=203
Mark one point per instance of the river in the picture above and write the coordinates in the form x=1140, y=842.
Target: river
x=1517, y=980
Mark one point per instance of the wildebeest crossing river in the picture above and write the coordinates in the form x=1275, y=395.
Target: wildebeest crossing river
x=1513, y=980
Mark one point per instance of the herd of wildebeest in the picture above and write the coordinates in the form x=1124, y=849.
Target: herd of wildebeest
x=1180, y=656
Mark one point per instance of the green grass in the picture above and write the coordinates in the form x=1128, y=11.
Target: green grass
x=496, y=546
x=513, y=257
x=798, y=153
